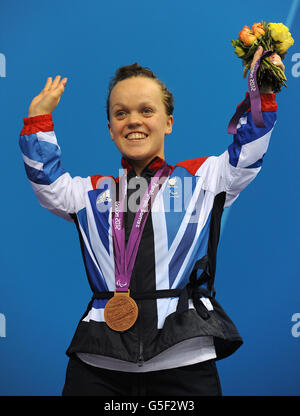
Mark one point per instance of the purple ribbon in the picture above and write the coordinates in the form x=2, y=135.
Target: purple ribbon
x=252, y=99
x=125, y=256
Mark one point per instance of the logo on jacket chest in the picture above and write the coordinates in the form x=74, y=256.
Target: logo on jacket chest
x=173, y=187
x=103, y=200
x=104, y=197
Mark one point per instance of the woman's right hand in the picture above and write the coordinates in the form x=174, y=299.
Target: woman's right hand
x=48, y=98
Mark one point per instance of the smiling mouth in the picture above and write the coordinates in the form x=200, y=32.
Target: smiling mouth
x=136, y=136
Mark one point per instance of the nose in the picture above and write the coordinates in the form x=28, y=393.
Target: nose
x=134, y=120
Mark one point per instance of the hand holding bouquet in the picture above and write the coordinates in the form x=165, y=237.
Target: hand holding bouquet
x=273, y=37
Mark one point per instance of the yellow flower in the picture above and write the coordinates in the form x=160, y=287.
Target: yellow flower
x=239, y=51
x=283, y=47
x=279, y=31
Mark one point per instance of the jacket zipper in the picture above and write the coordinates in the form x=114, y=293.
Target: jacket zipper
x=141, y=357
x=141, y=346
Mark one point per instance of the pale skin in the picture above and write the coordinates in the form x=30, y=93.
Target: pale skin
x=136, y=105
x=138, y=120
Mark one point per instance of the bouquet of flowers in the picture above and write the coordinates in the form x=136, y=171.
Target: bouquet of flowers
x=271, y=36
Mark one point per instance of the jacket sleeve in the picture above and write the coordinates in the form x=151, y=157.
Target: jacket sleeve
x=233, y=170
x=55, y=189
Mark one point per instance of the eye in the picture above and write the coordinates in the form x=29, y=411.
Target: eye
x=120, y=114
x=148, y=111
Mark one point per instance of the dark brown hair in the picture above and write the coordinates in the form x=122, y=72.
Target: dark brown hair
x=136, y=70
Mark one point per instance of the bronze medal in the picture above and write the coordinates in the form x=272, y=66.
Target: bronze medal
x=121, y=311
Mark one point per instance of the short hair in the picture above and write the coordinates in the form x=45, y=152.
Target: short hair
x=136, y=70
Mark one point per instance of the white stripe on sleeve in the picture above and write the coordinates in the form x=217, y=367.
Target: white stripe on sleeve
x=32, y=163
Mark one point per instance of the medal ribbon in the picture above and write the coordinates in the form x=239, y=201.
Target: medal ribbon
x=125, y=256
x=252, y=99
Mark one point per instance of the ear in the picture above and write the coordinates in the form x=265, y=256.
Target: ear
x=110, y=130
x=169, y=124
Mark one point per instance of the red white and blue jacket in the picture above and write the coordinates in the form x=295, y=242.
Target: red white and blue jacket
x=173, y=276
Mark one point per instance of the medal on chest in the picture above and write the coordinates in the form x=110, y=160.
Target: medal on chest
x=121, y=311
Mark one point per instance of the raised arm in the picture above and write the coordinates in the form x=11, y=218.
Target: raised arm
x=243, y=159
x=55, y=189
x=234, y=169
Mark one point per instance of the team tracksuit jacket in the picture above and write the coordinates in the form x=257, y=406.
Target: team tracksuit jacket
x=173, y=277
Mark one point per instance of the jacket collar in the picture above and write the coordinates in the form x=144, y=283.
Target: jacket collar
x=150, y=169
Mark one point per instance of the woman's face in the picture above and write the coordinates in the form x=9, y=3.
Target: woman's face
x=138, y=120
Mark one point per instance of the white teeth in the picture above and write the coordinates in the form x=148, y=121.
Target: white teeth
x=136, y=136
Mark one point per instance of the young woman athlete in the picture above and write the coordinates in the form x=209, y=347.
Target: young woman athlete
x=148, y=238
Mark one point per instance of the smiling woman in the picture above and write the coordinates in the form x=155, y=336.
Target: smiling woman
x=139, y=109
x=153, y=325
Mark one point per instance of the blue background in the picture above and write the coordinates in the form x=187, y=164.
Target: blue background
x=43, y=288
